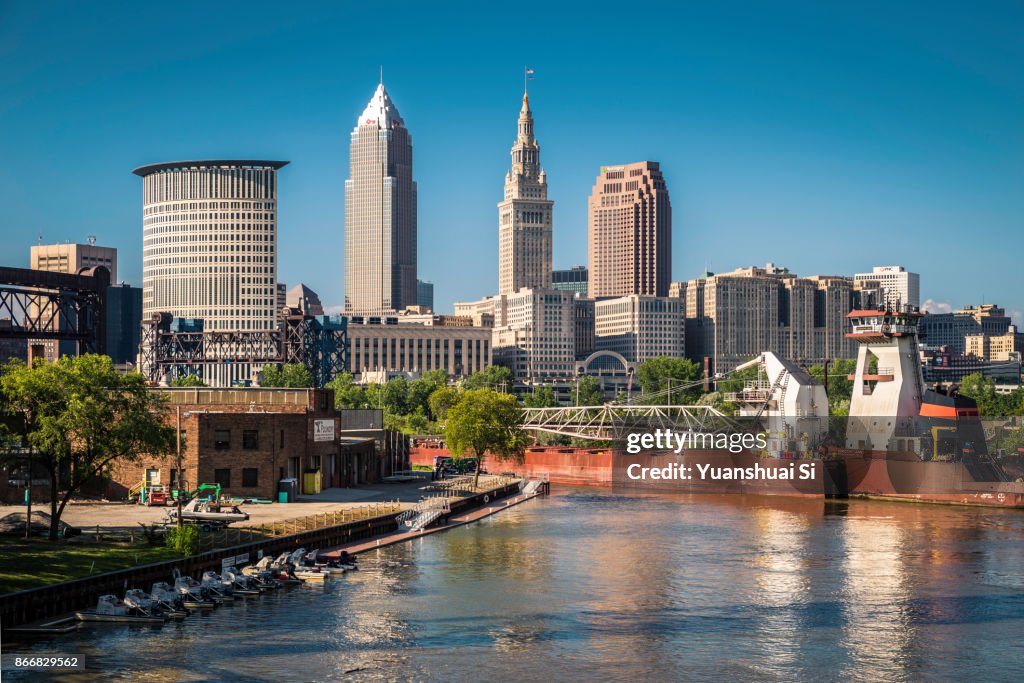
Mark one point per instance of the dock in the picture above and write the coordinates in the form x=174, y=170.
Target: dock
x=454, y=521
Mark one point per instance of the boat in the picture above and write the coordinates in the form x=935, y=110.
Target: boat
x=110, y=609
x=262, y=574
x=213, y=584
x=169, y=599
x=192, y=594
x=207, y=514
x=314, y=560
x=144, y=603
x=900, y=441
x=240, y=584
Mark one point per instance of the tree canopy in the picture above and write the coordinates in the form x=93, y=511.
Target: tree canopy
x=496, y=377
x=291, y=375
x=485, y=422
x=990, y=402
x=664, y=373
x=190, y=380
x=542, y=396
x=79, y=416
x=587, y=392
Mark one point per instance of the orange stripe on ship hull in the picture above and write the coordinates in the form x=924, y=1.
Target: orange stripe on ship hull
x=932, y=410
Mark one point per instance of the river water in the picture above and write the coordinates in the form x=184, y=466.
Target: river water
x=593, y=585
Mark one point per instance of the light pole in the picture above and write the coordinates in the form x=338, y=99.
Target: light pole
x=177, y=433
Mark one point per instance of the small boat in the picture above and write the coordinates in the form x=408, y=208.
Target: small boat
x=143, y=603
x=313, y=560
x=192, y=594
x=171, y=601
x=239, y=583
x=308, y=574
x=207, y=514
x=110, y=609
x=214, y=586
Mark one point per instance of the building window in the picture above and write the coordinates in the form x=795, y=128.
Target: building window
x=222, y=477
x=250, y=477
x=222, y=439
x=250, y=439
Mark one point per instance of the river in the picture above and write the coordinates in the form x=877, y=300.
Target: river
x=588, y=584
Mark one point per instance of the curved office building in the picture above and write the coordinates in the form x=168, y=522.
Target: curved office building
x=210, y=245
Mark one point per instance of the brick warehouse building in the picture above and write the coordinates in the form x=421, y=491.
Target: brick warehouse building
x=247, y=440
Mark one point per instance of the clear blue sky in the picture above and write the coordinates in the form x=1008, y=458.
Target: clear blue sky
x=827, y=137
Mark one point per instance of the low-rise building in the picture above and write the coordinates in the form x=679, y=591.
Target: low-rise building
x=418, y=343
x=996, y=347
x=248, y=440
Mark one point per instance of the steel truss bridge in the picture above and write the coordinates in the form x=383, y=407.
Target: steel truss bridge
x=613, y=421
x=45, y=305
x=318, y=342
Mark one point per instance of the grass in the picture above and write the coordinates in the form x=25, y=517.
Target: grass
x=38, y=562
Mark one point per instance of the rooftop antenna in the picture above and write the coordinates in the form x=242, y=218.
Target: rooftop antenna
x=382, y=74
x=92, y=239
x=40, y=239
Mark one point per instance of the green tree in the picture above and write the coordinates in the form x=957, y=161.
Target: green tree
x=421, y=388
x=680, y=375
x=840, y=386
x=291, y=375
x=488, y=423
x=347, y=394
x=190, y=380
x=587, y=392
x=442, y=400
x=80, y=416
x=496, y=377
x=542, y=396
x=394, y=396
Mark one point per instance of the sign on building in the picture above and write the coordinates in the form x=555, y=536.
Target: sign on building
x=323, y=430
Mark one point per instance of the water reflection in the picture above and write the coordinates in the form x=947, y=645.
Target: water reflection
x=589, y=585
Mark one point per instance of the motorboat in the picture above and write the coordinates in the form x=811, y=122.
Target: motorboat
x=214, y=584
x=239, y=583
x=192, y=594
x=143, y=603
x=207, y=513
x=314, y=560
x=170, y=600
x=110, y=609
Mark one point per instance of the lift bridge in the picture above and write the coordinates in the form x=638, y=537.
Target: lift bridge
x=174, y=347
x=614, y=421
x=42, y=305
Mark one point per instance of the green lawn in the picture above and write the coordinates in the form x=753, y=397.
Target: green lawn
x=29, y=564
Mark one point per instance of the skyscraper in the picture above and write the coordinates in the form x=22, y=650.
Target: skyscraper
x=209, y=247
x=67, y=258
x=524, y=215
x=898, y=286
x=380, y=212
x=630, y=224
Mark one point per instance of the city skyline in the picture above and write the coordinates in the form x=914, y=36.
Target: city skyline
x=837, y=168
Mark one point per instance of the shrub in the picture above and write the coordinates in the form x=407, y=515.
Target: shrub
x=183, y=540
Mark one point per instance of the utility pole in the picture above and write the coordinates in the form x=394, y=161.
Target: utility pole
x=177, y=433
x=28, y=497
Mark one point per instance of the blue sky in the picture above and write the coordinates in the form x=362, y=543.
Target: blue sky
x=827, y=137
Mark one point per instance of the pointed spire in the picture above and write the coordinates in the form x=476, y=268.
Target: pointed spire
x=381, y=110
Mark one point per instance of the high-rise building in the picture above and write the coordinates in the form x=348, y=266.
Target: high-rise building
x=305, y=299
x=380, y=212
x=640, y=327
x=209, y=247
x=534, y=330
x=124, y=319
x=951, y=330
x=629, y=219
x=67, y=258
x=996, y=347
x=899, y=288
x=281, y=300
x=732, y=317
x=525, y=215
x=425, y=294
x=571, y=280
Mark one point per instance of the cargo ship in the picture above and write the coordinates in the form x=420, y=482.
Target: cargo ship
x=900, y=440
